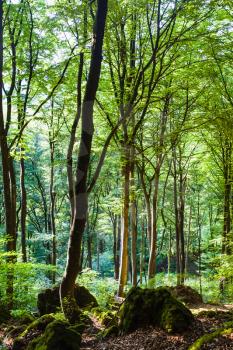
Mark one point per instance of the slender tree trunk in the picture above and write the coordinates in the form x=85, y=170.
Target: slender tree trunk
x=68, y=303
x=52, y=222
x=115, y=243
x=169, y=253
x=181, y=225
x=133, y=219
x=153, y=246
x=23, y=212
x=199, y=233
x=188, y=242
x=125, y=223
x=177, y=223
x=226, y=241
x=9, y=183
x=69, y=156
x=118, y=247
x=89, y=245
x=142, y=248
x=98, y=252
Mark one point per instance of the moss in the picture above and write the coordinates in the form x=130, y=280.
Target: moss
x=108, y=318
x=207, y=338
x=38, y=325
x=26, y=319
x=79, y=328
x=145, y=307
x=58, y=335
x=111, y=331
x=96, y=311
x=14, y=331
x=175, y=317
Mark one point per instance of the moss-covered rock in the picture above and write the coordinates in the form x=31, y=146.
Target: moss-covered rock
x=58, y=335
x=186, y=295
x=37, y=327
x=145, y=307
x=175, y=317
x=48, y=301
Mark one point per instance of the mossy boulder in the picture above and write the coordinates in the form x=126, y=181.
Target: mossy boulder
x=175, y=317
x=48, y=301
x=58, y=335
x=36, y=327
x=144, y=307
x=186, y=295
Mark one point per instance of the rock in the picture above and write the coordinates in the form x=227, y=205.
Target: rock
x=58, y=335
x=36, y=327
x=144, y=307
x=186, y=294
x=49, y=302
x=175, y=317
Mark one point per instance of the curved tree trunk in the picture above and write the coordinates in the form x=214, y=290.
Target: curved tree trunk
x=68, y=303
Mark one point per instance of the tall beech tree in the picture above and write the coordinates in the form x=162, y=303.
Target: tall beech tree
x=68, y=303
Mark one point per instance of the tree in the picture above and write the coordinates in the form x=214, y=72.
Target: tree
x=81, y=202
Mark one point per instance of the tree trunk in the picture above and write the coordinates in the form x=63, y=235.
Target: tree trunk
x=125, y=222
x=89, y=245
x=142, y=248
x=153, y=246
x=68, y=303
x=133, y=219
x=188, y=242
x=23, y=213
x=52, y=209
x=9, y=183
x=177, y=224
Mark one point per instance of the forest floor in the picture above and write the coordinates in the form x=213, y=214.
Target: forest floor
x=153, y=338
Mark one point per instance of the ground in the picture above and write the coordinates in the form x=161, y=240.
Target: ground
x=153, y=338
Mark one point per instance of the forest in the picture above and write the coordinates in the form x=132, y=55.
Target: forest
x=116, y=174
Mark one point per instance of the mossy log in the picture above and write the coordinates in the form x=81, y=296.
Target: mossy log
x=207, y=338
x=157, y=307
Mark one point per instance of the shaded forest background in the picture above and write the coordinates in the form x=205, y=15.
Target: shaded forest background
x=159, y=180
